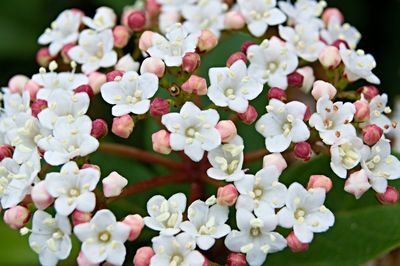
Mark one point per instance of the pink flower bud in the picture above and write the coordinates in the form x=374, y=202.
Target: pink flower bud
x=372, y=134
x=236, y=259
x=122, y=126
x=320, y=181
x=143, y=256
x=275, y=159
x=99, y=128
x=136, y=223
x=152, y=8
x=159, y=107
x=369, y=91
x=307, y=114
x=6, y=151
x=308, y=78
x=196, y=85
x=206, y=261
x=43, y=57
x=79, y=217
x=190, y=62
x=295, y=79
x=233, y=20
x=81, y=260
x=277, y=93
x=302, y=150
x=357, y=183
x=227, y=195
x=137, y=20
x=121, y=36
x=338, y=42
x=77, y=11
x=249, y=116
x=235, y=57
x=86, y=89
x=207, y=40
x=322, y=88
x=125, y=14
x=17, y=83
x=153, y=65
x=40, y=197
x=96, y=80
x=64, y=52
x=330, y=57
x=226, y=129
x=294, y=243
x=390, y=196
x=332, y=12
x=160, y=141
x=32, y=87
x=146, y=40
x=113, y=184
x=110, y=76
x=37, y=106
x=92, y=166
x=245, y=45
x=362, y=111
x=16, y=217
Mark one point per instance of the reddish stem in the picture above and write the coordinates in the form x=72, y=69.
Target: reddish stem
x=253, y=156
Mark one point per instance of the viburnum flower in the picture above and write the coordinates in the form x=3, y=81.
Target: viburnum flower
x=332, y=120
x=50, y=237
x=271, y=62
x=193, y=130
x=255, y=237
x=176, y=43
x=303, y=11
x=176, y=250
x=73, y=188
x=165, y=215
x=104, y=18
x=378, y=110
x=305, y=212
x=233, y=86
x=336, y=31
x=15, y=103
x=130, y=93
x=283, y=124
x=206, y=223
x=94, y=50
x=174, y=5
x=103, y=238
x=346, y=154
x=64, y=30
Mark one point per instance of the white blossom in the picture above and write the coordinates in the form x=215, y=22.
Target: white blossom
x=303, y=11
x=336, y=31
x=15, y=103
x=174, y=5
x=127, y=63
x=345, y=154
x=104, y=18
x=378, y=110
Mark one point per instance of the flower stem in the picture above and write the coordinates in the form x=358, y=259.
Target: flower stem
x=253, y=156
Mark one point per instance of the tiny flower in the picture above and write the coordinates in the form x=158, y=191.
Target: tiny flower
x=302, y=150
x=99, y=128
x=235, y=57
x=345, y=154
x=372, y=134
x=249, y=116
x=79, y=217
x=357, y=183
x=390, y=196
x=227, y=130
x=362, y=111
x=104, y=19
x=207, y=41
x=322, y=88
x=16, y=217
x=136, y=224
x=227, y=195
x=153, y=65
x=159, y=107
x=113, y=184
x=308, y=78
x=335, y=30
x=275, y=159
x=122, y=126
x=96, y=80
x=233, y=20
x=277, y=93
x=190, y=62
x=236, y=259
x=196, y=85
x=304, y=11
x=329, y=57
x=17, y=83
x=40, y=196
x=320, y=181
x=332, y=12
x=127, y=63
x=137, y=20
x=294, y=243
x=378, y=111
x=143, y=256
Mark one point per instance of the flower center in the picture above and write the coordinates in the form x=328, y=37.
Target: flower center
x=230, y=93
x=328, y=123
x=348, y=156
x=74, y=192
x=104, y=236
x=176, y=260
x=299, y=215
x=190, y=132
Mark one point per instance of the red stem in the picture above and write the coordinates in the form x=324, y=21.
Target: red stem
x=253, y=156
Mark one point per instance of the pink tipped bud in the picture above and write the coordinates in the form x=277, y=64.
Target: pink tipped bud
x=143, y=256
x=235, y=57
x=40, y=197
x=277, y=93
x=112, y=75
x=79, y=217
x=64, y=52
x=227, y=195
x=362, y=111
x=249, y=116
x=207, y=40
x=122, y=126
x=320, y=181
x=245, y=45
x=307, y=114
x=152, y=8
x=332, y=12
x=295, y=79
x=16, y=217
x=81, y=260
x=357, y=183
x=294, y=243
x=113, y=184
x=302, y=150
x=159, y=107
x=91, y=166
x=372, y=134
x=190, y=62
x=308, y=78
x=330, y=57
x=137, y=20
x=136, y=223
x=322, y=88
x=96, y=80
x=233, y=20
x=275, y=159
x=38, y=106
x=99, y=128
x=338, y=42
x=17, y=83
x=146, y=40
x=390, y=196
x=6, y=151
x=196, y=85
x=226, y=129
x=32, y=87
x=86, y=89
x=369, y=91
x=153, y=65
x=43, y=57
x=160, y=141
x=236, y=259
x=121, y=36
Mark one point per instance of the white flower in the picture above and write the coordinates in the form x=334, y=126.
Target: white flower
x=380, y=165
x=227, y=161
x=233, y=86
x=73, y=188
x=283, y=124
x=304, y=38
x=165, y=215
x=271, y=62
x=15, y=103
x=174, y=5
x=103, y=238
x=130, y=93
x=261, y=191
x=206, y=223
x=259, y=14
x=176, y=43
x=168, y=19
x=64, y=30
x=127, y=63
x=176, y=250
x=332, y=120
x=50, y=237
x=303, y=11
x=193, y=130
x=345, y=154
x=336, y=31
x=358, y=65
x=95, y=50
x=378, y=109
x=305, y=212
x=255, y=237
x=357, y=183
x=104, y=18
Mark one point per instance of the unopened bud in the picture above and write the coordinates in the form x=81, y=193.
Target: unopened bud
x=99, y=128
x=159, y=107
x=190, y=62
x=249, y=116
x=79, y=217
x=96, y=80
x=320, y=181
x=121, y=36
x=369, y=92
x=322, y=88
x=307, y=114
x=302, y=150
x=153, y=65
x=196, y=85
x=275, y=159
x=146, y=40
x=277, y=93
x=122, y=126
x=245, y=45
x=357, y=183
x=17, y=83
x=32, y=87
x=64, y=52
x=113, y=184
x=390, y=196
x=227, y=195
x=332, y=12
x=160, y=141
x=308, y=78
x=86, y=89
x=207, y=40
x=338, y=42
x=136, y=224
x=330, y=57
x=152, y=8
x=362, y=111
x=295, y=79
x=43, y=57
x=295, y=244
x=40, y=197
x=226, y=129
x=371, y=134
x=6, y=151
x=137, y=20
x=112, y=75
x=16, y=217
x=38, y=106
x=235, y=57
x=233, y=20
x=236, y=259
x=143, y=256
